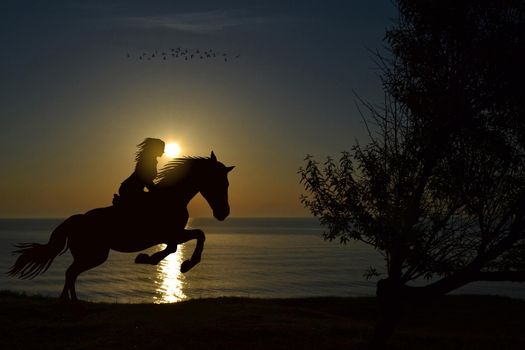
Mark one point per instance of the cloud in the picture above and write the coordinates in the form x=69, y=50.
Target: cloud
x=199, y=22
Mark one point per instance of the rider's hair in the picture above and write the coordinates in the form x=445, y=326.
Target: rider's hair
x=148, y=148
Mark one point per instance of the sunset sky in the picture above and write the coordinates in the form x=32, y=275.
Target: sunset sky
x=73, y=106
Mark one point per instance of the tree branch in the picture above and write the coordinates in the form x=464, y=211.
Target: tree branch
x=510, y=276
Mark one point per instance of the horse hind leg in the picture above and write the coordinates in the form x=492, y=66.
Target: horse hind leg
x=72, y=273
x=79, y=265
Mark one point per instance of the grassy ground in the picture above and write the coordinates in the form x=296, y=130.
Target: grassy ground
x=29, y=322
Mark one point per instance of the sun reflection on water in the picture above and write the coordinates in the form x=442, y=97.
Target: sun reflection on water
x=170, y=280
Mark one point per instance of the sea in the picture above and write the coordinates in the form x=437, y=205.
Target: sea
x=243, y=257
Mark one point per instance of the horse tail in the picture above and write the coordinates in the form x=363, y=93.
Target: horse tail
x=36, y=258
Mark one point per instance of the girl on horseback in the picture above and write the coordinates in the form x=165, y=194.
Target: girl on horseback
x=132, y=189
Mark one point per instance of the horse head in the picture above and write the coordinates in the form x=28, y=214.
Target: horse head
x=214, y=187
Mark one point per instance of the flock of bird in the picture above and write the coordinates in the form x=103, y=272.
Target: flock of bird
x=181, y=54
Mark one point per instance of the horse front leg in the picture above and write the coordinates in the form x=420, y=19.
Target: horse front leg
x=155, y=258
x=197, y=253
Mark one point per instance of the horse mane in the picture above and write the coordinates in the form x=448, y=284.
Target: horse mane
x=177, y=169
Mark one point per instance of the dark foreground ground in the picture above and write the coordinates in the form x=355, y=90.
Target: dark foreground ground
x=460, y=322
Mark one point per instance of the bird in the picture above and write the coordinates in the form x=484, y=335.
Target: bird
x=187, y=53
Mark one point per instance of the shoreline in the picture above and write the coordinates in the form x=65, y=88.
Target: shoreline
x=453, y=322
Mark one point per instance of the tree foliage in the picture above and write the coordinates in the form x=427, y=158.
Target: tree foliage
x=440, y=187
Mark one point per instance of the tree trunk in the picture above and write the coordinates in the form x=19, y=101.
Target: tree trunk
x=394, y=296
x=390, y=301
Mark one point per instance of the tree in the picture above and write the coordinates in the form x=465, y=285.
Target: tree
x=440, y=187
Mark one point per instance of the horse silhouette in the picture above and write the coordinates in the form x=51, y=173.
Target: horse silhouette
x=161, y=217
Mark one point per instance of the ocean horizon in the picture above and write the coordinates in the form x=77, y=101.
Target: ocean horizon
x=245, y=257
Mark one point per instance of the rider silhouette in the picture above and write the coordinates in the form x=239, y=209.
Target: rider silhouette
x=132, y=189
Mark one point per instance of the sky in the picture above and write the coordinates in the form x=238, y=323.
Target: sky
x=73, y=106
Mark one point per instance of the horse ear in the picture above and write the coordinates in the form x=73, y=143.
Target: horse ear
x=212, y=157
x=229, y=168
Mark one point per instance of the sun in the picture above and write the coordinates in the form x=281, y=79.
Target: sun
x=172, y=150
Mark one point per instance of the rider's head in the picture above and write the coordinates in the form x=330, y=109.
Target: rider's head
x=150, y=148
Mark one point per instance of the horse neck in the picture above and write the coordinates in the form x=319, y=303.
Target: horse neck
x=185, y=190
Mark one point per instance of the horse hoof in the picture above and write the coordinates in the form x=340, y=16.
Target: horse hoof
x=142, y=259
x=186, y=266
